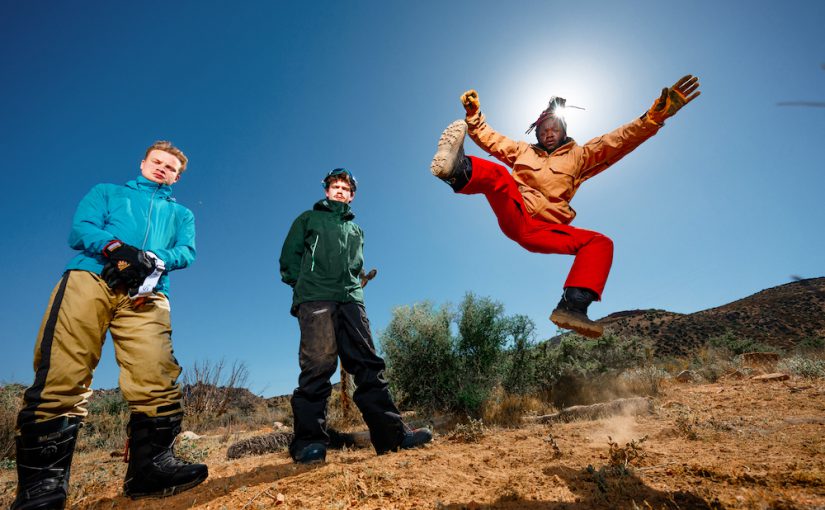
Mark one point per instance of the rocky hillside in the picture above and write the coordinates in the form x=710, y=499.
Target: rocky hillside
x=779, y=316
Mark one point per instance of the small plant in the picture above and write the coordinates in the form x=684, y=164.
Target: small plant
x=685, y=427
x=470, y=432
x=556, y=450
x=624, y=456
x=189, y=451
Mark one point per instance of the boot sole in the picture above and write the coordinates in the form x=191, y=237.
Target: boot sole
x=448, y=144
x=566, y=321
x=169, y=491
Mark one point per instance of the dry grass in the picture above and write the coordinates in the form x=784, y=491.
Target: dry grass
x=508, y=410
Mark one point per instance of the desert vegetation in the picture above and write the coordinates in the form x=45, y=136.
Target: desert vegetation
x=489, y=384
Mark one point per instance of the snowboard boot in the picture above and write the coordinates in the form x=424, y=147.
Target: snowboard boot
x=416, y=437
x=311, y=453
x=449, y=163
x=153, y=470
x=44, y=458
x=571, y=313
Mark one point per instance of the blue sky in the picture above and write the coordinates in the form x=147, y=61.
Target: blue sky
x=266, y=97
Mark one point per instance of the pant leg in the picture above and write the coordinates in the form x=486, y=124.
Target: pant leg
x=593, y=251
x=142, y=337
x=372, y=395
x=68, y=348
x=318, y=359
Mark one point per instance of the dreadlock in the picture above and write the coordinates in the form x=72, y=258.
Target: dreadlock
x=554, y=104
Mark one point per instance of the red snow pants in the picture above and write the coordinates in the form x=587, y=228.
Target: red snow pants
x=593, y=251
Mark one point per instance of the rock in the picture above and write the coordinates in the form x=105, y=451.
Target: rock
x=627, y=406
x=685, y=376
x=189, y=435
x=277, y=425
x=734, y=374
x=771, y=377
x=280, y=499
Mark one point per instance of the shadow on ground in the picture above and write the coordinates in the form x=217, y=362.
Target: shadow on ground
x=598, y=488
x=212, y=488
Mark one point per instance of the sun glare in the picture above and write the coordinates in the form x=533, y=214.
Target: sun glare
x=593, y=90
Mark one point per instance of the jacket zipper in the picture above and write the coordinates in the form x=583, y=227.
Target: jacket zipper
x=312, y=266
x=149, y=218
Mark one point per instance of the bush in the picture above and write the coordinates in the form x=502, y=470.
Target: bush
x=10, y=402
x=810, y=345
x=519, y=368
x=211, y=390
x=105, y=426
x=581, y=371
x=731, y=345
x=422, y=365
x=433, y=369
x=803, y=366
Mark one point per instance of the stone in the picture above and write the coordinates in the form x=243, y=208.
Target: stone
x=685, y=376
x=776, y=376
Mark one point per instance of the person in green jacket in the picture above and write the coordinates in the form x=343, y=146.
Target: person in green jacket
x=321, y=260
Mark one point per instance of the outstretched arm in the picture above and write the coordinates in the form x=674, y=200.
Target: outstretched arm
x=488, y=139
x=603, y=151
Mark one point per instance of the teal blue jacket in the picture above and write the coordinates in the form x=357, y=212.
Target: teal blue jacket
x=140, y=213
x=323, y=254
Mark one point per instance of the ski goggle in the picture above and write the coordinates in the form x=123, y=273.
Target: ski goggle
x=337, y=172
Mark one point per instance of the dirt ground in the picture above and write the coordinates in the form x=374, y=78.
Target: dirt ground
x=733, y=444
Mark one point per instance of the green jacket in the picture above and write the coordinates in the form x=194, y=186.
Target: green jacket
x=323, y=255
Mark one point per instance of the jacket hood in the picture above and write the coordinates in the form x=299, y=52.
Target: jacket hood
x=335, y=207
x=144, y=184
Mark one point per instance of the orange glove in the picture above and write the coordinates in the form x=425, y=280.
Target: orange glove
x=470, y=101
x=672, y=99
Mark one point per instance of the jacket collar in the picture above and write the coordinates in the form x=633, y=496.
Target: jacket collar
x=144, y=184
x=561, y=149
x=338, y=208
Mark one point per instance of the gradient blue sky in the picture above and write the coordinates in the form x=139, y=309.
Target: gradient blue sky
x=266, y=97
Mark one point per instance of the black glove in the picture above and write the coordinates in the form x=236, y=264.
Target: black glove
x=127, y=265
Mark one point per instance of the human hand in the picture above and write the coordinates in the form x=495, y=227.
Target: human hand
x=366, y=277
x=127, y=265
x=470, y=101
x=672, y=99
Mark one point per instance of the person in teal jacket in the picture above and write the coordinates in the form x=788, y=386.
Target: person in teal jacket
x=128, y=239
x=321, y=260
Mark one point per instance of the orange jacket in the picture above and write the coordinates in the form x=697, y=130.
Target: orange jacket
x=548, y=181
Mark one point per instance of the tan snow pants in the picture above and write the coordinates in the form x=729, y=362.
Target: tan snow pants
x=81, y=309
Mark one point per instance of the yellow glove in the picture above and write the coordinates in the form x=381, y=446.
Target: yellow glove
x=470, y=101
x=672, y=99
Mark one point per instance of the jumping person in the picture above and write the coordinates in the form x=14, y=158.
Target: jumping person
x=128, y=237
x=533, y=203
x=321, y=259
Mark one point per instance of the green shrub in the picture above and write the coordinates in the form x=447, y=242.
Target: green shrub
x=432, y=368
x=731, y=345
x=519, y=368
x=803, y=366
x=422, y=365
x=810, y=345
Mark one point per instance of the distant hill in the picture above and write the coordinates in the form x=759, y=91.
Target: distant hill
x=780, y=316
